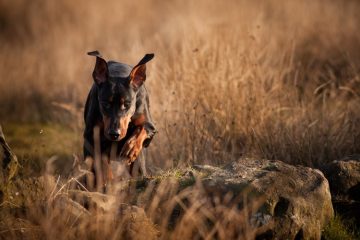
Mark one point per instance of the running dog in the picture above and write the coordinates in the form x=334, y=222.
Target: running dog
x=118, y=106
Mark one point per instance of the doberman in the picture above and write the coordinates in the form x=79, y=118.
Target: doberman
x=118, y=106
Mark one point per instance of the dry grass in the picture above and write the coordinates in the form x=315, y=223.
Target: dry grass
x=167, y=210
x=270, y=79
x=275, y=80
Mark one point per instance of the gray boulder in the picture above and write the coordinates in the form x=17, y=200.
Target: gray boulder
x=293, y=202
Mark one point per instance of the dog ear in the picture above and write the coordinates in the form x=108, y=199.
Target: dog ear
x=138, y=73
x=100, y=73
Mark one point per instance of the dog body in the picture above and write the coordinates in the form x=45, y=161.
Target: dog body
x=118, y=105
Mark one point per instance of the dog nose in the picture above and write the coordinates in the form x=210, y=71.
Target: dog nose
x=114, y=135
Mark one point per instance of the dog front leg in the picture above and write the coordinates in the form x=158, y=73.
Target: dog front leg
x=138, y=166
x=134, y=145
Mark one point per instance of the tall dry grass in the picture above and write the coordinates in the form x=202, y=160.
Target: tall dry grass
x=164, y=209
x=273, y=79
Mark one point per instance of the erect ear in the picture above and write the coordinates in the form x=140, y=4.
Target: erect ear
x=100, y=73
x=138, y=73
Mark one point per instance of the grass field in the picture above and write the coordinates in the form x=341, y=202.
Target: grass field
x=260, y=78
x=269, y=79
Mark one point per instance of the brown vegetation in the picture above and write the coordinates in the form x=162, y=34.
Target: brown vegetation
x=269, y=79
x=275, y=80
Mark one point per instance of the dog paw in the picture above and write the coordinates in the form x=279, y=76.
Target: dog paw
x=133, y=145
x=132, y=148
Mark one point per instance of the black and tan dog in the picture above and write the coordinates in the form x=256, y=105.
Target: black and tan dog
x=118, y=106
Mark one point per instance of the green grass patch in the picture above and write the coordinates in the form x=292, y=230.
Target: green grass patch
x=35, y=143
x=340, y=229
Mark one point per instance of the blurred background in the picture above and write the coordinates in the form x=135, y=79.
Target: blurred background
x=269, y=79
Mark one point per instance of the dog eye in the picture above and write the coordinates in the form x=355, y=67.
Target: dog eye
x=127, y=105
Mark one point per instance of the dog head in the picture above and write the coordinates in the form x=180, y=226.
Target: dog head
x=117, y=85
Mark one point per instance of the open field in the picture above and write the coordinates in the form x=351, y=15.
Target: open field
x=264, y=79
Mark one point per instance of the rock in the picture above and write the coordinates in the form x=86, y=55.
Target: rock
x=131, y=220
x=75, y=210
x=94, y=200
x=296, y=200
x=136, y=225
x=344, y=179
